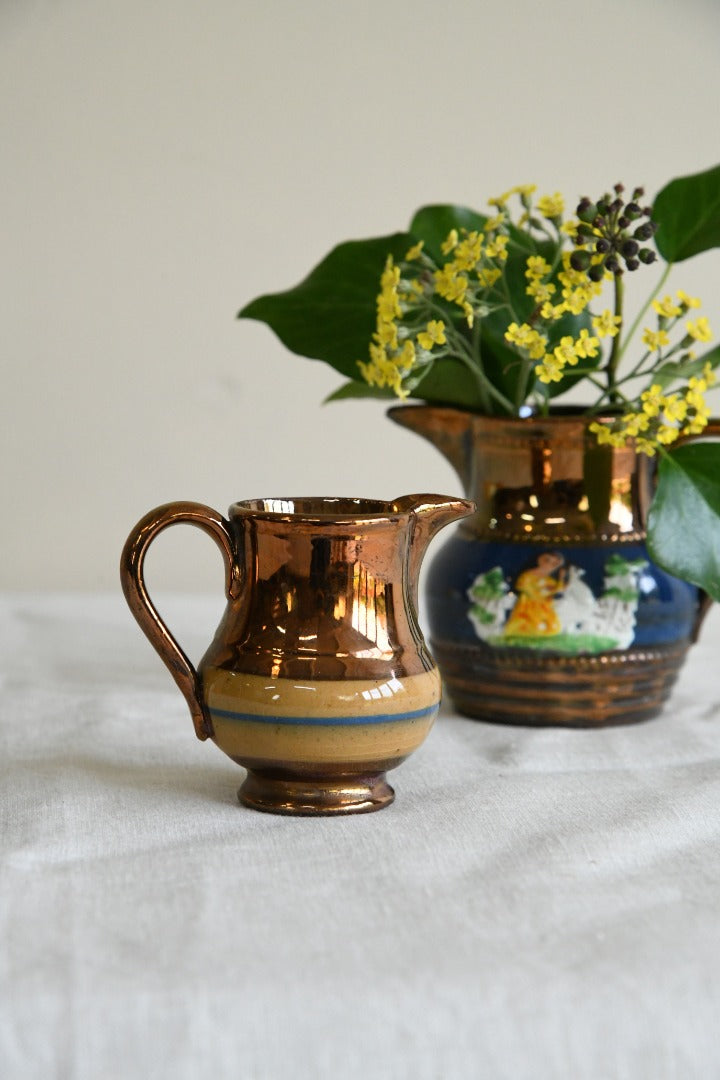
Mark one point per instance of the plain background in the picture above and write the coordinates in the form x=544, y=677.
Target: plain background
x=164, y=161
x=533, y=898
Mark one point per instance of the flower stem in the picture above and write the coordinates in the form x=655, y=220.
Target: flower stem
x=641, y=313
x=485, y=387
x=614, y=358
x=471, y=357
x=478, y=369
x=522, y=384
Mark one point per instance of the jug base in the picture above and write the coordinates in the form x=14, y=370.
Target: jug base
x=310, y=796
x=608, y=689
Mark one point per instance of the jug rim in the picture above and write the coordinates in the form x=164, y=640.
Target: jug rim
x=319, y=509
x=559, y=415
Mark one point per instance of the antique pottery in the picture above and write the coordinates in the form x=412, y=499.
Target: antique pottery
x=544, y=607
x=318, y=680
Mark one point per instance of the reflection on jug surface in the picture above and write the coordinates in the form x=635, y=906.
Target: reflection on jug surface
x=318, y=679
x=598, y=642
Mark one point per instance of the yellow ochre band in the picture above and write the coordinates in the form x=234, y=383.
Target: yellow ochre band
x=277, y=719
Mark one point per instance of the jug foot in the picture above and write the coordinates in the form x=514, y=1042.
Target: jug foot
x=340, y=795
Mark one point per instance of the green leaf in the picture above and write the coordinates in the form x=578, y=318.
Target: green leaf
x=675, y=370
x=684, y=519
x=711, y=357
x=501, y=363
x=449, y=382
x=687, y=212
x=330, y=315
x=357, y=389
x=433, y=223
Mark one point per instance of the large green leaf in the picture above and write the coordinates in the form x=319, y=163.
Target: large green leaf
x=687, y=212
x=684, y=519
x=331, y=314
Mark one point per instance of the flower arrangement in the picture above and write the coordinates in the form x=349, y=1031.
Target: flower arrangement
x=503, y=312
x=415, y=330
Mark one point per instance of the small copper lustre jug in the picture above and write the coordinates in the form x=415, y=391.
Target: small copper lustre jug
x=318, y=679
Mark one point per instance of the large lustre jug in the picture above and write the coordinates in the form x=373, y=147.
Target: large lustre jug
x=544, y=607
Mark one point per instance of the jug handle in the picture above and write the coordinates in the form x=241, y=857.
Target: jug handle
x=145, y=612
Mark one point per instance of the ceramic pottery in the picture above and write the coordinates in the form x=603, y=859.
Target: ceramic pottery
x=544, y=607
x=318, y=680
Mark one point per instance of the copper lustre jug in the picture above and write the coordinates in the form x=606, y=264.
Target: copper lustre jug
x=545, y=606
x=318, y=680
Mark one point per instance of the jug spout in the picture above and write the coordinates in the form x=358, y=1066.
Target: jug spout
x=449, y=430
x=429, y=514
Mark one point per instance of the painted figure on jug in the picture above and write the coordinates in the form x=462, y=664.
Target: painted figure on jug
x=534, y=613
x=551, y=607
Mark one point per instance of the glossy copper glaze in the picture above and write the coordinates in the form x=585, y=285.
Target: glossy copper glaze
x=295, y=795
x=545, y=481
x=540, y=479
x=555, y=691
x=318, y=672
x=326, y=596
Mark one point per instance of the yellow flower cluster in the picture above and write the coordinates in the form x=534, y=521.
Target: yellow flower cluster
x=655, y=339
x=389, y=362
x=667, y=308
x=526, y=338
x=393, y=351
x=668, y=312
x=472, y=267
x=699, y=330
x=551, y=206
x=523, y=190
x=662, y=418
x=566, y=354
x=471, y=275
x=433, y=334
x=577, y=290
x=606, y=324
x=541, y=290
x=474, y=261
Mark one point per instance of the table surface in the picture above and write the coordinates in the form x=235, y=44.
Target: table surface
x=536, y=903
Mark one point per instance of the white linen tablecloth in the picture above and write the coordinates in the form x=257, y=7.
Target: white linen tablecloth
x=535, y=904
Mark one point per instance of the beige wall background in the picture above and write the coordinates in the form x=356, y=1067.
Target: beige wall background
x=166, y=160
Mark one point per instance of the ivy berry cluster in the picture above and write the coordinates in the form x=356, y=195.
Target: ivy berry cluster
x=611, y=234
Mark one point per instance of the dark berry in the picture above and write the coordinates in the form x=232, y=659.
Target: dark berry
x=580, y=260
